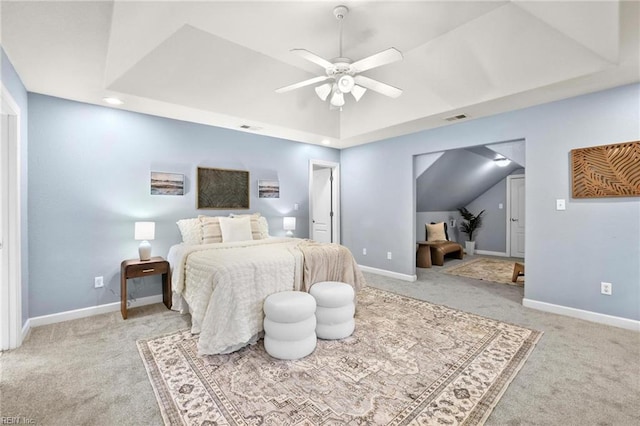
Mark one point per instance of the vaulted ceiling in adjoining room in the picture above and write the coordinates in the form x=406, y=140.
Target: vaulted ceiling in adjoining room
x=219, y=63
x=459, y=176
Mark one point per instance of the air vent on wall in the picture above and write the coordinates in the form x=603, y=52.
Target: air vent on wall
x=456, y=117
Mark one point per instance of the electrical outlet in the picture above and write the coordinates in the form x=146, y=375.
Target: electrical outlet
x=364, y=251
x=388, y=255
x=98, y=282
x=606, y=288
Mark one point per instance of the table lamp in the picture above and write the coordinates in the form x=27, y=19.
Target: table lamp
x=145, y=231
x=289, y=225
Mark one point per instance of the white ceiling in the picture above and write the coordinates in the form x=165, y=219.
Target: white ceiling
x=219, y=63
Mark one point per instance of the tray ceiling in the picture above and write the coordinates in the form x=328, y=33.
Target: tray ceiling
x=219, y=63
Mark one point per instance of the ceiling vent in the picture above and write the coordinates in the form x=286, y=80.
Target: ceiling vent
x=456, y=117
x=252, y=128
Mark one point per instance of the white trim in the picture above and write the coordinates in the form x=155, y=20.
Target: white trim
x=11, y=333
x=619, y=322
x=391, y=274
x=26, y=329
x=491, y=253
x=336, y=196
x=508, y=197
x=91, y=311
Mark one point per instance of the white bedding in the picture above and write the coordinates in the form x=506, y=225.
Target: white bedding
x=225, y=284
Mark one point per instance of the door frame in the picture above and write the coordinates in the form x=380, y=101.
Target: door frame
x=508, y=197
x=11, y=296
x=335, y=190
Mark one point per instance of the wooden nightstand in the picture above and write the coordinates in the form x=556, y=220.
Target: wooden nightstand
x=135, y=268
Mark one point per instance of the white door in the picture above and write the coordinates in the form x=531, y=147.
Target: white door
x=517, y=219
x=321, y=205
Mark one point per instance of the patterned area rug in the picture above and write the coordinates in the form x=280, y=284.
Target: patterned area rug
x=408, y=361
x=496, y=270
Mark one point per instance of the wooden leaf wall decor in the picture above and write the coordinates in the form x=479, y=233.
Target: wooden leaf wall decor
x=606, y=171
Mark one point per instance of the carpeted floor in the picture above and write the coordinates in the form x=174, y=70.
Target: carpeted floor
x=89, y=371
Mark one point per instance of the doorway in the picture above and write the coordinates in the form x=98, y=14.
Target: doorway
x=324, y=201
x=10, y=263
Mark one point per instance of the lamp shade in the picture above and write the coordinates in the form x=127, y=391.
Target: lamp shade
x=289, y=223
x=145, y=230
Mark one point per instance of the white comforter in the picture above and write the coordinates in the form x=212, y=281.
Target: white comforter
x=225, y=284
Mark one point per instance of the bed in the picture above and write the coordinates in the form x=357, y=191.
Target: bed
x=223, y=282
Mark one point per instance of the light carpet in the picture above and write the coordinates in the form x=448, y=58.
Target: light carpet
x=496, y=270
x=407, y=361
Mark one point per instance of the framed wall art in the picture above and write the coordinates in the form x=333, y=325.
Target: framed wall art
x=222, y=189
x=606, y=171
x=167, y=183
x=268, y=189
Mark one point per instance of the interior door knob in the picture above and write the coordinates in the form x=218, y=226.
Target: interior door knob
x=514, y=220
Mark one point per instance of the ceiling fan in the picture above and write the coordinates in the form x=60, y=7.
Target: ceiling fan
x=343, y=75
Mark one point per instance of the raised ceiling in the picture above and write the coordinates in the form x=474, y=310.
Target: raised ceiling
x=219, y=63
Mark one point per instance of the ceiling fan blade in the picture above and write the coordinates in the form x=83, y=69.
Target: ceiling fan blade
x=376, y=86
x=303, y=84
x=381, y=58
x=312, y=57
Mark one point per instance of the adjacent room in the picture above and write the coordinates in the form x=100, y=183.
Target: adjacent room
x=284, y=213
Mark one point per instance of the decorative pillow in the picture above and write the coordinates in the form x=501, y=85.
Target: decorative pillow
x=436, y=231
x=235, y=229
x=211, y=232
x=191, y=230
x=263, y=227
x=256, y=232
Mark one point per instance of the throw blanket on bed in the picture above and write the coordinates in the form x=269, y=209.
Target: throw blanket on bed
x=225, y=284
x=329, y=262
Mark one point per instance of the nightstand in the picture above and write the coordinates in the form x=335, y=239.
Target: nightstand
x=135, y=268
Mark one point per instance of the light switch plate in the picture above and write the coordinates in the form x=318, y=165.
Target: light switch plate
x=560, y=204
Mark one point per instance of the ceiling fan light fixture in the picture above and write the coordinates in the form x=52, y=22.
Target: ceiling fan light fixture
x=323, y=91
x=357, y=92
x=346, y=83
x=337, y=99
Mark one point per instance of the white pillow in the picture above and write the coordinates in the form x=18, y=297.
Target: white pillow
x=256, y=230
x=263, y=227
x=190, y=230
x=235, y=229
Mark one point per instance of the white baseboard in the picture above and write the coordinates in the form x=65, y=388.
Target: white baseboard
x=619, y=322
x=26, y=329
x=390, y=274
x=91, y=311
x=491, y=253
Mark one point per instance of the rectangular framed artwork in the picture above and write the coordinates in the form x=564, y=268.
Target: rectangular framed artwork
x=167, y=183
x=268, y=189
x=606, y=171
x=222, y=189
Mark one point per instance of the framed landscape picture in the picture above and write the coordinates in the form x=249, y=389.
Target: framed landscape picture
x=268, y=189
x=222, y=189
x=167, y=183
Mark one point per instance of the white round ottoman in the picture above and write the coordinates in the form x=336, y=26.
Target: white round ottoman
x=289, y=324
x=335, y=309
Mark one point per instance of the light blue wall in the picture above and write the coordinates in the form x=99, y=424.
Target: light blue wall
x=89, y=182
x=13, y=84
x=492, y=235
x=568, y=252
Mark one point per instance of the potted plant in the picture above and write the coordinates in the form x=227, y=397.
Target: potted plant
x=469, y=226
